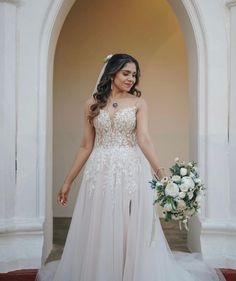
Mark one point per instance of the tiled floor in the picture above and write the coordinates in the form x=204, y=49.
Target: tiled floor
x=176, y=238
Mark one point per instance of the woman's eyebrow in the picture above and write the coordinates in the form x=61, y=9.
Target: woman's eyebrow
x=128, y=71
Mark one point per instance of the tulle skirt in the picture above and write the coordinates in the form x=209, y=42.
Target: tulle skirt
x=112, y=237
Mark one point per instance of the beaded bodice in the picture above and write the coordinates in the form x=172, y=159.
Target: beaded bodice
x=118, y=130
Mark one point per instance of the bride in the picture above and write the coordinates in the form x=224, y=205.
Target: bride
x=114, y=234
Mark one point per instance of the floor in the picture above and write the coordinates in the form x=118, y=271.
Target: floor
x=176, y=239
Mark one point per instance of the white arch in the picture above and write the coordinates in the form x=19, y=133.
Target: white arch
x=51, y=30
x=55, y=18
x=196, y=31
x=188, y=14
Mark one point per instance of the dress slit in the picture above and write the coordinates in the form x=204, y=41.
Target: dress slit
x=129, y=207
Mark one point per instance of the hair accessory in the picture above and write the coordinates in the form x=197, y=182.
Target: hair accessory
x=101, y=72
x=107, y=58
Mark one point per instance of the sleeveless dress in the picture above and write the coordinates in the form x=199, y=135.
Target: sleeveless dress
x=111, y=233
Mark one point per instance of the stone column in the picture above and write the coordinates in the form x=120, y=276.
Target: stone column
x=205, y=27
x=231, y=4
x=21, y=228
x=218, y=223
x=232, y=106
x=28, y=37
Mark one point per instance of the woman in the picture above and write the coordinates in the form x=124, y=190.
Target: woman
x=114, y=235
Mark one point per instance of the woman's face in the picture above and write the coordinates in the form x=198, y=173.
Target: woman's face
x=125, y=78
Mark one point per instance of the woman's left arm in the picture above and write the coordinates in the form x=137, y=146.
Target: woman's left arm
x=144, y=139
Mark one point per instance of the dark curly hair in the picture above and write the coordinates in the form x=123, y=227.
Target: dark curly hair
x=114, y=64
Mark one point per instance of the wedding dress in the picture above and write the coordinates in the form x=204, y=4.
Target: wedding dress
x=111, y=233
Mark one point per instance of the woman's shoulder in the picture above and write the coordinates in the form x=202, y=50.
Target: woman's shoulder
x=139, y=101
x=136, y=98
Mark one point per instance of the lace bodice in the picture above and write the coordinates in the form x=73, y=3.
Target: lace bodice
x=118, y=130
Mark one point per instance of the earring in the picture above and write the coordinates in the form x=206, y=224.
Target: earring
x=111, y=83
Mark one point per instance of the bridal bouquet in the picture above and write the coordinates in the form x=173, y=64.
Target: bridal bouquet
x=180, y=194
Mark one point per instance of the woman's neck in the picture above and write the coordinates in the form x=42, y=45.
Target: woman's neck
x=115, y=94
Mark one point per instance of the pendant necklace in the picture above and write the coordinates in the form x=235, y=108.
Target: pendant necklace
x=114, y=104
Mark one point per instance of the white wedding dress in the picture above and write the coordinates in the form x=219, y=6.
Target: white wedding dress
x=110, y=232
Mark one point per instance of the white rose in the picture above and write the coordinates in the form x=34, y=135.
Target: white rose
x=183, y=171
x=172, y=189
x=176, y=178
x=181, y=204
x=182, y=194
x=167, y=207
x=165, y=179
x=190, y=195
x=183, y=187
x=182, y=162
x=188, y=182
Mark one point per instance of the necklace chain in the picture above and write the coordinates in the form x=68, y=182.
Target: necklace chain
x=114, y=103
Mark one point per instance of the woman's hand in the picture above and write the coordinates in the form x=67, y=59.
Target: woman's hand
x=62, y=197
x=160, y=174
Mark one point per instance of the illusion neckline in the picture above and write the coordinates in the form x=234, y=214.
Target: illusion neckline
x=111, y=116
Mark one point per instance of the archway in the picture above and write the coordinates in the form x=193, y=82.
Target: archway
x=56, y=17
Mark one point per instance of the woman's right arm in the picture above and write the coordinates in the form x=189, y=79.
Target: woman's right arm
x=85, y=149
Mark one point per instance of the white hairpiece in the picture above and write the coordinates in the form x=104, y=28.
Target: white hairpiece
x=107, y=58
x=101, y=72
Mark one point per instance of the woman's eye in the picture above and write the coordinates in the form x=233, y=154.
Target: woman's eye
x=126, y=74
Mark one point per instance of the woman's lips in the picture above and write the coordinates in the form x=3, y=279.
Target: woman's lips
x=129, y=85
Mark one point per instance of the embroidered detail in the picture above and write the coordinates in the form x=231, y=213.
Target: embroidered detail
x=114, y=159
x=116, y=130
x=117, y=167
